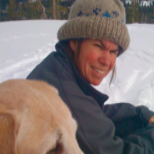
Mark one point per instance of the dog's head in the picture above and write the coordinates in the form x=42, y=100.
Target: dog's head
x=35, y=120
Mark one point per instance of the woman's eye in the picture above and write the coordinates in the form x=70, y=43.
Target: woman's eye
x=97, y=45
x=115, y=52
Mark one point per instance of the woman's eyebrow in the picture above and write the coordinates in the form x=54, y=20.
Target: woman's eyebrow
x=102, y=43
x=114, y=50
x=106, y=47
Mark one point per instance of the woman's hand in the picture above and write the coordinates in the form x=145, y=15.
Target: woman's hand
x=151, y=120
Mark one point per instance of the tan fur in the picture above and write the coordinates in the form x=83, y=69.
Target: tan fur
x=34, y=120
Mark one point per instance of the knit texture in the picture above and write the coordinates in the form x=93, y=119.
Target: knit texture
x=97, y=19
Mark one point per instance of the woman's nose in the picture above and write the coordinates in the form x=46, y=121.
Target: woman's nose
x=105, y=58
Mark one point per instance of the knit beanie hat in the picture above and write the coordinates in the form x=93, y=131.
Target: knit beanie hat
x=97, y=19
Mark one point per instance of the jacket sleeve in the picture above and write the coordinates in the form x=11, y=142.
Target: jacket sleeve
x=96, y=132
x=127, y=118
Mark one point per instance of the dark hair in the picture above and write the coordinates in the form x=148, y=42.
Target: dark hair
x=66, y=47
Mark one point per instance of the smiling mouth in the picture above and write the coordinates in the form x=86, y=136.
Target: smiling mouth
x=99, y=71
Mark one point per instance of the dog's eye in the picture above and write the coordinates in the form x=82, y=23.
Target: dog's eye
x=58, y=148
x=52, y=151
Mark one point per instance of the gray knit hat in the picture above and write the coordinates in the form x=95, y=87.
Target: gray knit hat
x=97, y=19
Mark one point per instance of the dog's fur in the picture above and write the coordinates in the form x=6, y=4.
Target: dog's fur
x=35, y=120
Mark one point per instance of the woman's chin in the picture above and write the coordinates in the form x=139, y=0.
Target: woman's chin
x=96, y=82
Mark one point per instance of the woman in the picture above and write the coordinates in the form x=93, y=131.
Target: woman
x=89, y=43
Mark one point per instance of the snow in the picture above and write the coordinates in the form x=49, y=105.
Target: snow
x=24, y=44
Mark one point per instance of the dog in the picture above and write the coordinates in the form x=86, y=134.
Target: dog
x=35, y=120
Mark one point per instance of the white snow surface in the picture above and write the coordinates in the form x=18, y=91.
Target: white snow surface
x=24, y=44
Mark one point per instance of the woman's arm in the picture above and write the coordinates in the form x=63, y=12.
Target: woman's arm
x=128, y=118
x=121, y=111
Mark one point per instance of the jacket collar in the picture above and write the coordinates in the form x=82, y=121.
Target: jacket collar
x=83, y=84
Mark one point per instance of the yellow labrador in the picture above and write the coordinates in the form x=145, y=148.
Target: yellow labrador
x=35, y=120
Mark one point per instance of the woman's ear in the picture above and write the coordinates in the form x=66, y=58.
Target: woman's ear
x=73, y=45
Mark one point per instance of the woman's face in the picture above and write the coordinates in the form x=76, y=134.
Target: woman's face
x=96, y=59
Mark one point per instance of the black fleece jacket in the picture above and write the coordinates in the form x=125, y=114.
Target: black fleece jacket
x=102, y=129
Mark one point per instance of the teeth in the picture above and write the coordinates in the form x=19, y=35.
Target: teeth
x=99, y=71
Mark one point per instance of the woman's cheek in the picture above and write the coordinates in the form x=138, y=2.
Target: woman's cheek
x=91, y=57
x=113, y=63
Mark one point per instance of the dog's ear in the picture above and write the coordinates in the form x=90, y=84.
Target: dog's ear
x=7, y=134
x=55, y=90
